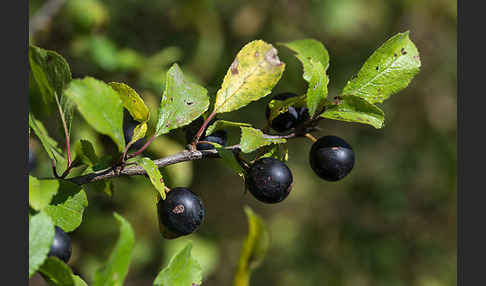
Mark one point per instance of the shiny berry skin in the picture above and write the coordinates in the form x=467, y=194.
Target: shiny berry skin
x=331, y=158
x=218, y=137
x=290, y=119
x=182, y=211
x=61, y=245
x=269, y=180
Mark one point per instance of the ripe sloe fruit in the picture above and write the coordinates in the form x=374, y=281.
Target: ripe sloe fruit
x=269, y=180
x=331, y=158
x=290, y=119
x=182, y=211
x=61, y=245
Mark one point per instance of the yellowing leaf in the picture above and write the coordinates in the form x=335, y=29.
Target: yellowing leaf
x=131, y=101
x=252, y=75
x=139, y=132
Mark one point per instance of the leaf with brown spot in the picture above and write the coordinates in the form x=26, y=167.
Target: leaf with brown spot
x=252, y=75
x=398, y=61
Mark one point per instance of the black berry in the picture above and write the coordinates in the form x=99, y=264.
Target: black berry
x=290, y=119
x=331, y=158
x=182, y=211
x=128, y=127
x=61, y=245
x=218, y=137
x=269, y=180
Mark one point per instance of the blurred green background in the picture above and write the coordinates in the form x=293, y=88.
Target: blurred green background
x=392, y=221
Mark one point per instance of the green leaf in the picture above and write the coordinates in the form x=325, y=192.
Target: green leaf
x=223, y=124
x=182, y=102
x=252, y=139
x=49, y=144
x=67, y=206
x=354, y=109
x=230, y=160
x=252, y=75
x=387, y=71
x=132, y=101
x=183, y=270
x=85, y=152
x=154, y=174
x=317, y=91
x=308, y=50
x=41, y=192
x=56, y=272
x=78, y=281
x=51, y=73
x=254, y=248
x=278, y=107
x=41, y=234
x=100, y=106
x=113, y=273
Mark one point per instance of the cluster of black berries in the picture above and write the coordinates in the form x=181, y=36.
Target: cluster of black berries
x=268, y=179
x=330, y=157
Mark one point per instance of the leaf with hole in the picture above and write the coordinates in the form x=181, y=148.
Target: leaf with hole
x=387, y=71
x=255, y=70
x=182, y=102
